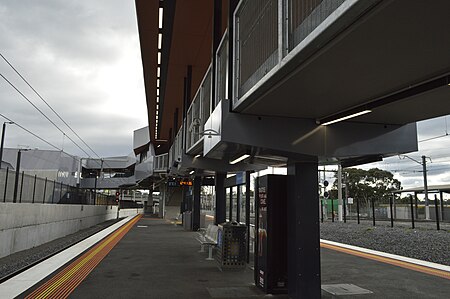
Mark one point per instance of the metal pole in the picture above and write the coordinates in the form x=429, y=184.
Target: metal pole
x=16, y=181
x=437, y=212
x=344, y=200
x=321, y=210
x=332, y=211
x=95, y=190
x=21, y=186
x=45, y=189
x=442, y=205
x=417, y=206
x=60, y=191
x=247, y=211
x=357, y=208
x=34, y=188
x=412, y=210
x=373, y=211
x=6, y=184
x=3, y=140
x=339, y=177
x=390, y=207
x=425, y=188
x=53, y=193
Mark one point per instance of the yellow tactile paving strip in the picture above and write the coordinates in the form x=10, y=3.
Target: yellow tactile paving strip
x=410, y=266
x=65, y=282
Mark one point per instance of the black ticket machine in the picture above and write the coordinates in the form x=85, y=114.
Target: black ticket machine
x=271, y=234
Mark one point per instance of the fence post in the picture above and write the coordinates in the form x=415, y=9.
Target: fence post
x=373, y=211
x=6, y=184
x=412, y=211
x=60, y=191
x=45, y=189
x=437, y=212
x=53, y=193
x=332, y=210
x=321, y=210
x=357, y=208
x=21, y=187
x=345, y=208
x=34, y=188
x=390, y=207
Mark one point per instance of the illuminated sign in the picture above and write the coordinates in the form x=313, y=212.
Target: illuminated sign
x=186, y=183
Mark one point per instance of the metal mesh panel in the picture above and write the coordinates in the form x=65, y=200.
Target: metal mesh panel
x=305, y=15
x=8, y=183
x=257, y=34
x=222, y=71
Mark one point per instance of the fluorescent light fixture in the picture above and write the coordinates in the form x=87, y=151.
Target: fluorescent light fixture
x=157, y=83
x=197, y=156
x=243, y=157
x=346, y=117
x=160, y=41
x=159, y=57
x=160, y=17
x=192, y=172
x=158, y=72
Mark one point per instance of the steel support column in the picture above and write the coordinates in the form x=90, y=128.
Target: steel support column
x=196, y=208
x=303, y=229
x=220, y=198
x=247, y=211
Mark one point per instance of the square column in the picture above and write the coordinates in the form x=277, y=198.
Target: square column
x=196, y=205
x=220, y=212
x=303, y=229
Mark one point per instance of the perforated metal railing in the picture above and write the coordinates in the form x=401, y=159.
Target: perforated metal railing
x=306, y=15
x=267, y=30
x=222, y=71
x=176, y=150
x=256, y=42
x=199, y=111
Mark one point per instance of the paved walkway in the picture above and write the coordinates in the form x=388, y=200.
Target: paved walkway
x=156, y=259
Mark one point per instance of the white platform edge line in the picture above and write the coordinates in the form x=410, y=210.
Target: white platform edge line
x=20, y=283
x=391, y=256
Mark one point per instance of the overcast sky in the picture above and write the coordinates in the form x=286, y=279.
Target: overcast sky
x=83, y=57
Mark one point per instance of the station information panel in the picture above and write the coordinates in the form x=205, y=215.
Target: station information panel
x=271, y=239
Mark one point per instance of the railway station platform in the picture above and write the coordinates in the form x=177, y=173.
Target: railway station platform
x=145, y=257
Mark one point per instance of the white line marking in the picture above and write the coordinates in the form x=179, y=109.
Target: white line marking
x=142, y=226
x=391, y=256
x=20, y=283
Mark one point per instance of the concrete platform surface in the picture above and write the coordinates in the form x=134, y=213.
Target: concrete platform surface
x=157, y=259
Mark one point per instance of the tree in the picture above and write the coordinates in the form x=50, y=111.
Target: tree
x=367, y=185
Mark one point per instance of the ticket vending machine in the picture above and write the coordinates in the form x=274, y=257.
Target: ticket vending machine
x=271, y=234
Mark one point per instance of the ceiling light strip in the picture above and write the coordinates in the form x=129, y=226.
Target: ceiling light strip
x=243, y=157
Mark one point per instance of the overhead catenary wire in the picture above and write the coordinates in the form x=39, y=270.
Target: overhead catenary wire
x=28, y=131
x=48, y=105
x=43, y=114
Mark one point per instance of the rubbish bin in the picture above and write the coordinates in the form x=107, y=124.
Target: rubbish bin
x=187, y=220
x=231, y=246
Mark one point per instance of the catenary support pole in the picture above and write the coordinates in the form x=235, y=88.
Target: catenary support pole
x=357, y=209
x=441, y=197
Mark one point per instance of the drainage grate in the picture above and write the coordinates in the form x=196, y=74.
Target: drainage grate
x=344, y=289
x=231, y=292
